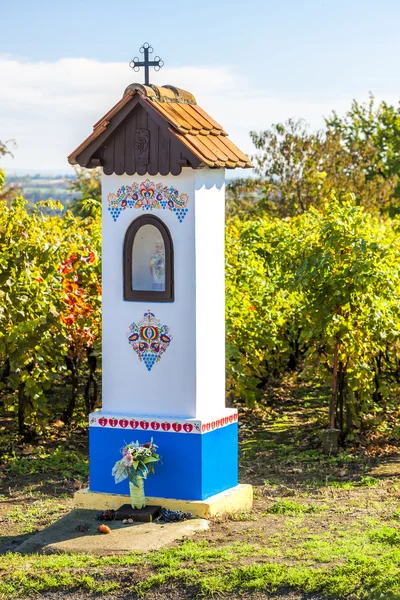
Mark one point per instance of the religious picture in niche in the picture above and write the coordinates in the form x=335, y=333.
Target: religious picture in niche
x=148, y=260
x=157, y=266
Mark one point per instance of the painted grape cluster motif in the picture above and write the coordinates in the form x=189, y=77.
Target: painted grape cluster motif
x=148, y=195
x=149, y=339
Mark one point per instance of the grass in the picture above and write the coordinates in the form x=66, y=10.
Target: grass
x=37, y=515
x=66, y=463
x=373, y=572
x=289, y=507
x=320, y=525
x=365, y=481
x=386, y=535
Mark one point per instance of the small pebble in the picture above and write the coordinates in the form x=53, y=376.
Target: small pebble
x=130, y=521
x=125, y=521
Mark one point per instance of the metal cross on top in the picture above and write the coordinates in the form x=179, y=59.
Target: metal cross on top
x=157, y=63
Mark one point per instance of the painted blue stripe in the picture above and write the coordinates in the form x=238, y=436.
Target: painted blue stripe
x=219, y=460
x=194, y=467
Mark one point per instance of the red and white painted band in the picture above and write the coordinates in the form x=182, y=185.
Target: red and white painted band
x=159, y=424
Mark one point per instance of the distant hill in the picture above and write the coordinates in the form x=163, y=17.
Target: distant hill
x=43, y=187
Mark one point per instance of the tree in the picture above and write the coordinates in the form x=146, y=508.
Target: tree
x=81, y=296
x=262, y=314
x=373, y=131
x=242, y=196
x=87, y=185
x=347, y=270
x=321, y=289
x=31, y=343
x=48, y=314
x=4, y=150
x=301, y=169
x=5, y=147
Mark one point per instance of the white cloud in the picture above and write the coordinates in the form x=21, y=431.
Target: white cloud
x=50, y=107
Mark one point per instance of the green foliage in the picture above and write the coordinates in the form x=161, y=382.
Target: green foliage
x=242, y=196
x=87, y=185
x=373, y=130
x=260, y=312
x=300, y=169
x=301, y=287
x=297, y=169
x=347, y=271
x=5, y=149
x=34, y=338
x=319, y=284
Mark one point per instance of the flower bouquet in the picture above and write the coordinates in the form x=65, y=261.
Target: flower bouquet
x=137, y=462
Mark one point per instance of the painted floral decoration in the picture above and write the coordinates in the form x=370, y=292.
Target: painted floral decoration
x=149, y=339
x=148, y=195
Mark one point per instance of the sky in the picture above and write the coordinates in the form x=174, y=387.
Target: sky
x=250, y=63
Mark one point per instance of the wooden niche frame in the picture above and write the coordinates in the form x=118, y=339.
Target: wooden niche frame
x=148, y=295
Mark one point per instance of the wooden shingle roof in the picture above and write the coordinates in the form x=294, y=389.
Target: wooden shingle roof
x=193, y=137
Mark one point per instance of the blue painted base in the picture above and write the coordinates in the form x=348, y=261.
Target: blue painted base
x=194, y=466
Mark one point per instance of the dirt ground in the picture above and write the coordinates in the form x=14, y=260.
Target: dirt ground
x=308, y=509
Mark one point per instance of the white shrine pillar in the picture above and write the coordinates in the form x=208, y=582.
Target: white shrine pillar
x=163, y=191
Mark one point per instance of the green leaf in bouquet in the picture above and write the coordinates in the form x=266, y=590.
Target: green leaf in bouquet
x=150, y=459
x=120, y=471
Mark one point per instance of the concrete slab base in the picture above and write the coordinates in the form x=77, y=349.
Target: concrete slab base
x=66, y=535
x=235, y=500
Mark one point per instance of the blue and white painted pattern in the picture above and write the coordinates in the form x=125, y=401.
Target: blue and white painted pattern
x=149, y=339
x=148, y=196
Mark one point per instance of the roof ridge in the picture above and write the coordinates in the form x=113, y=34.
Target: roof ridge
x=161, y=93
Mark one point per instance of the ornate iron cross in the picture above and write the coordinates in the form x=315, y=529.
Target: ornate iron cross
x=157, y=63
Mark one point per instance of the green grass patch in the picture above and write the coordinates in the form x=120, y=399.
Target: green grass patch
x=364, y=565
x=364, y=481
x=68, y=464
x=386, y=535
x=289, y=507
x=39, y=513
x=349, y=581
x=344, y=485
x=243, y=516
x=368, y=481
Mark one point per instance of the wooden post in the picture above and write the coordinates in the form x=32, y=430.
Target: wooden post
x=334, y=386
x=330, y=437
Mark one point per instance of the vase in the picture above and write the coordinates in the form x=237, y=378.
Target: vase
x=138, y=499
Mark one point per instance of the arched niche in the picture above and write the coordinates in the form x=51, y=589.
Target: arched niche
x=148, y=261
